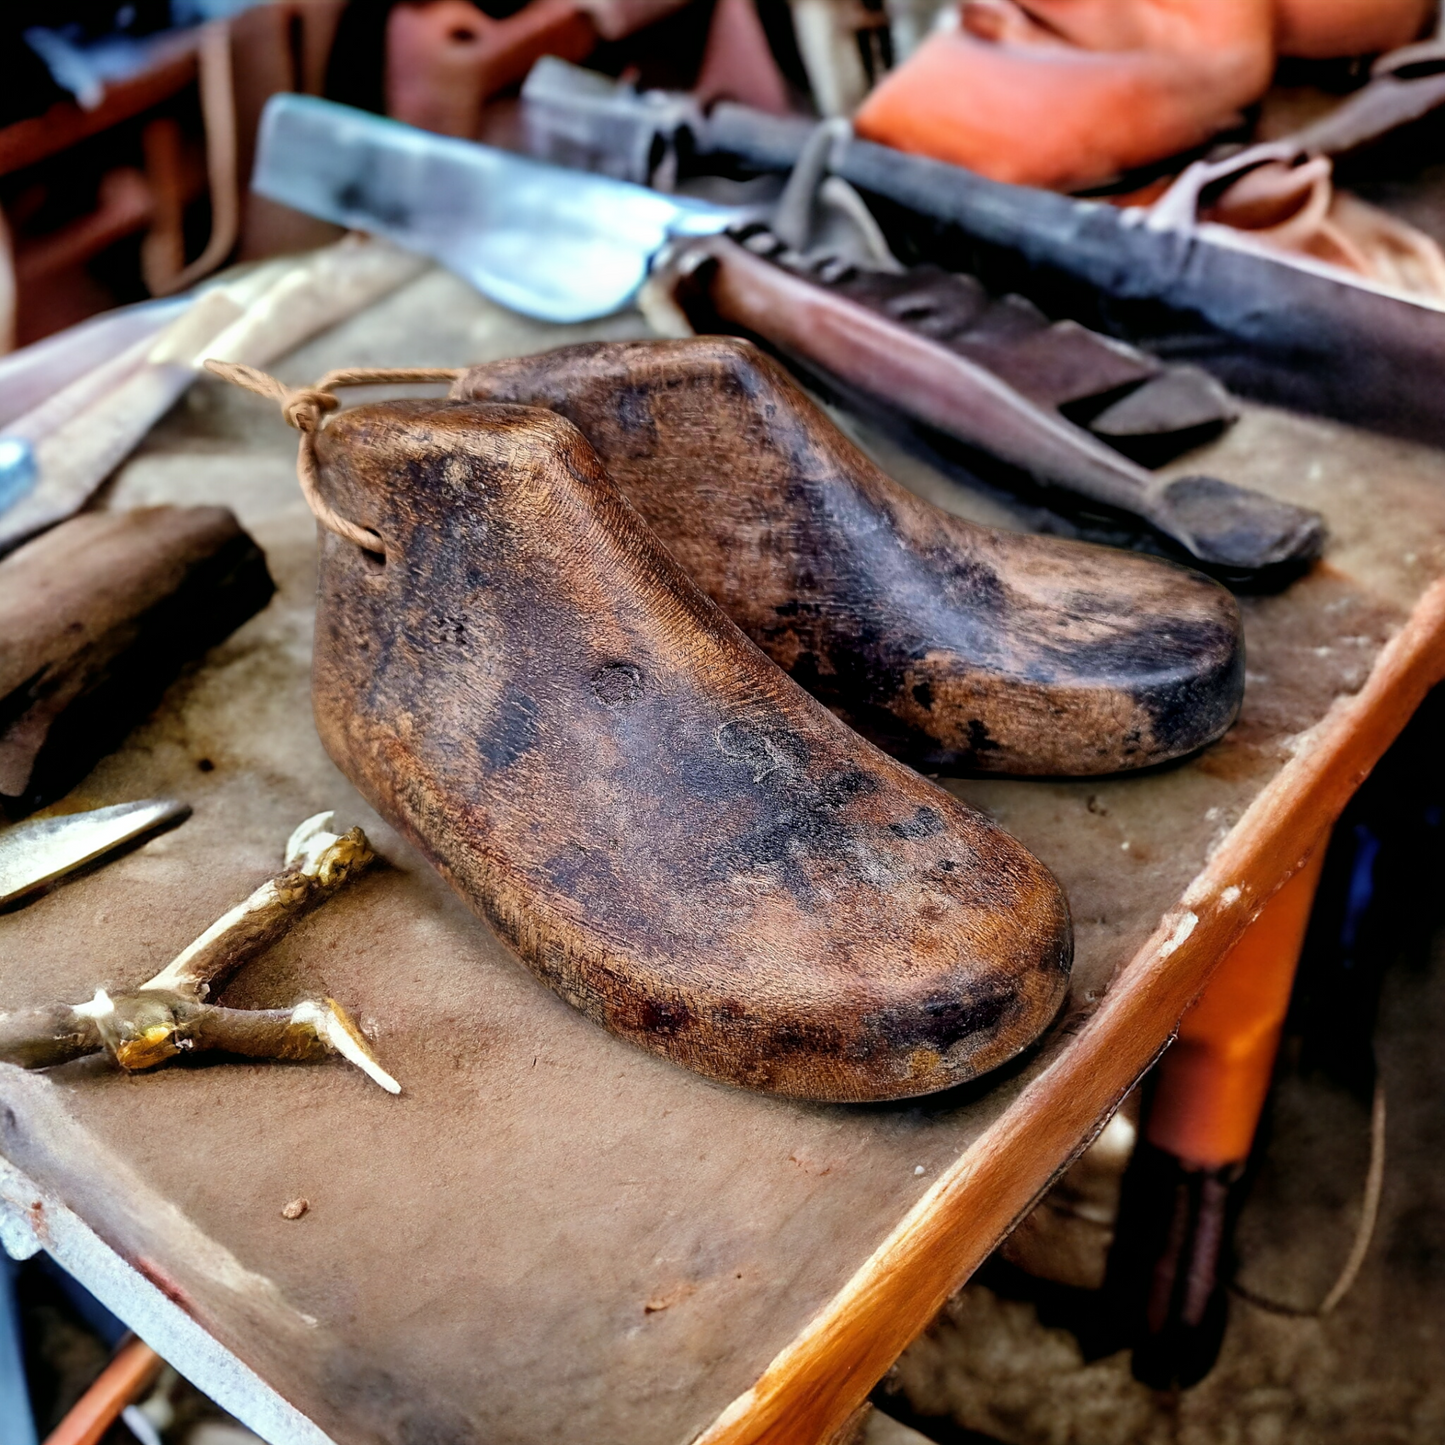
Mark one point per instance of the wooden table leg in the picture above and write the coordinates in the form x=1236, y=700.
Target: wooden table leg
x=1210, y=1090
x=1211, y=1084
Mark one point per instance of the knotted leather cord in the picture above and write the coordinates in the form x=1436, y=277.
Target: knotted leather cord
x=305, y=408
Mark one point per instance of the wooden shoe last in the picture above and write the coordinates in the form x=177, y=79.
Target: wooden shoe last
x=670, y=832
x=950, y=645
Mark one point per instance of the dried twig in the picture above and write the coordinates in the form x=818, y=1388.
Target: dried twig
x=318, y=862
x=168, y=1014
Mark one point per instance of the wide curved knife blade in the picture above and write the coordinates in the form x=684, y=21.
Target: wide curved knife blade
x=557, y=244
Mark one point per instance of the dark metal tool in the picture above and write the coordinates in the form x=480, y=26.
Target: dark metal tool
x=1266, y=327
x=514, y=229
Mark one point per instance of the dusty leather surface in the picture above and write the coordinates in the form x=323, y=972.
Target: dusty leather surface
x=552, y=1236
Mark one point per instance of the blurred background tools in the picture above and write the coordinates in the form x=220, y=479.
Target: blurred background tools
x=74, y=407
x=124, y=161
x=567, y=246
x=131, y=1372
x=1157, y=269
x=72, y=1374
x=1291, y=289
x=561, y=246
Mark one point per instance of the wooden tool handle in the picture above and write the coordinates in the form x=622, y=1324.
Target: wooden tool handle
x=133, y=1368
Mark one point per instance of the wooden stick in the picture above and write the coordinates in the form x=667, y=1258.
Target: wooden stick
x=259, y=315
x=32, y=375
x=168, y=1014
x=97, y=617
x=130, y=1371
x=7, y=289
x=318, y=862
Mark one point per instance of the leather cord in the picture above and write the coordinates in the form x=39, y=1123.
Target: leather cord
x=306, y=407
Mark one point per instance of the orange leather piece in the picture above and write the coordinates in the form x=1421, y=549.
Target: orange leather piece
x=1055, y=115
x=1178, y=26
x=1319, y=29
x=1212, y=1082
x=1068, y=93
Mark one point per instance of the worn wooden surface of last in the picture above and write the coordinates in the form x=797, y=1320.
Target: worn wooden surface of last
x=948, y=644
x=552, y=1235
x=599, y=763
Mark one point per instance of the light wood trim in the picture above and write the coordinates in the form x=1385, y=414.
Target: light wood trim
x=826, y=1372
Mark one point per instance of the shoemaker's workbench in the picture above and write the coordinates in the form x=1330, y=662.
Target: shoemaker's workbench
x=550, y=1236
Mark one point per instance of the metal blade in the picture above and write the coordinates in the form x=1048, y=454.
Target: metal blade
x=549, y=242
x=35, y=853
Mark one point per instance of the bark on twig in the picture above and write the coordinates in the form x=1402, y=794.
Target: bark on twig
x=168, y=1014
x=318, y=862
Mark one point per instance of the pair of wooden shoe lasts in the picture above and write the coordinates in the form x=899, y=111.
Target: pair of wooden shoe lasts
x=540, y=670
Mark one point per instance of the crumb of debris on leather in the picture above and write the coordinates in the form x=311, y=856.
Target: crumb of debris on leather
x=296, y=1209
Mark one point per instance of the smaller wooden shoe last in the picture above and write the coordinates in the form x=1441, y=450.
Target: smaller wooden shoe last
x=949, y=644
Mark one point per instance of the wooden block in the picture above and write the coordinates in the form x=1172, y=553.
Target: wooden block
x=98, y=616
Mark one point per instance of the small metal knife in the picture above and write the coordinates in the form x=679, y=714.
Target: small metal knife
x=32, y=854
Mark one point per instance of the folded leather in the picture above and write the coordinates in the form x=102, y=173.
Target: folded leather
x=1071, y=93
x=1066, y=115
